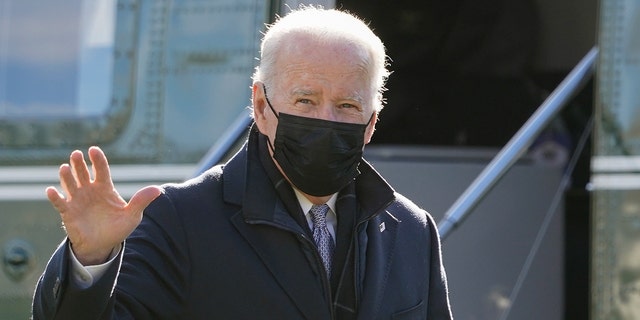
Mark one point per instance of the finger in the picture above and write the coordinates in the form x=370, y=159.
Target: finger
x=79, y=168
x=100, y=165
x=67, y=180
x=56, y=199
x=143, y=198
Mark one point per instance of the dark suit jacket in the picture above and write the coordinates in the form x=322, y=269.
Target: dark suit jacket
x=223, y=246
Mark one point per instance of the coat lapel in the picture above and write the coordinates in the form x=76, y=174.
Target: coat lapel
x=279, y=240
x=274, y=235
x=381, y=234
x=288, y=262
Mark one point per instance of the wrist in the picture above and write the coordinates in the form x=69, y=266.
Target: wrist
x=94, y=257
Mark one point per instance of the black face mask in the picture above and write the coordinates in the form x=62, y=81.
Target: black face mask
x=320, y=157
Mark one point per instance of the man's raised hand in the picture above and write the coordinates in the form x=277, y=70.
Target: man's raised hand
x=96, y=218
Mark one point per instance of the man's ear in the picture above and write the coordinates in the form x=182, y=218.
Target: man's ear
x=371, y=128
x=259, y=104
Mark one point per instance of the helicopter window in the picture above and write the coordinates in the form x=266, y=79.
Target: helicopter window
x=124, y=75
x=56, y=57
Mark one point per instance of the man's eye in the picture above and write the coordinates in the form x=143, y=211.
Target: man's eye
x=305, y=101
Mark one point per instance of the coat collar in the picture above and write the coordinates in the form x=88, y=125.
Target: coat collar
x=247, y=184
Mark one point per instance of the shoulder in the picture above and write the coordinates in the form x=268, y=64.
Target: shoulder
x=204, y=186
x=406, y=210
x=413, y=220
x=191, y=197
x=206, y=180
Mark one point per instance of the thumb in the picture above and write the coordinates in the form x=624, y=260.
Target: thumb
x=143, y=197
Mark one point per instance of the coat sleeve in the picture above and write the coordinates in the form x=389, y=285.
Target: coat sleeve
x=57, y=297
x=439, y=305
x=147, y=280
x=47, y=294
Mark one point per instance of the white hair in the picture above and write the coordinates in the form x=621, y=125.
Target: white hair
x=324, y=25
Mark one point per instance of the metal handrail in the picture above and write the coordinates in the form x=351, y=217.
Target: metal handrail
x=518, y=144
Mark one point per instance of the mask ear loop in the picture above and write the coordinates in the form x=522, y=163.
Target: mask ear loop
x=274, y=113
x=369, y=122
x=269, y=102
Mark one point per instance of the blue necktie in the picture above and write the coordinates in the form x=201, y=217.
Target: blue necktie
x=321, y=235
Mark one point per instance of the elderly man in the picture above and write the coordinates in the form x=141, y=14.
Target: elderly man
x=295, y=226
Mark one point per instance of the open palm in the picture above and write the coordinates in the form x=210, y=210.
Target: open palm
x=95, y=216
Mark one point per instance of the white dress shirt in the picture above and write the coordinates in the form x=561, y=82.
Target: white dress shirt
x=332, y=218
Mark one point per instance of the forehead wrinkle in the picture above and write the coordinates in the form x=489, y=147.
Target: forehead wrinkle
x=303, y=92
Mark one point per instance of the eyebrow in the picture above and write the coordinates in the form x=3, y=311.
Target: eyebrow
x=307, y=92
x=357, y=97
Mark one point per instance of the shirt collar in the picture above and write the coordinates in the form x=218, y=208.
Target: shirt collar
x=306, y=205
